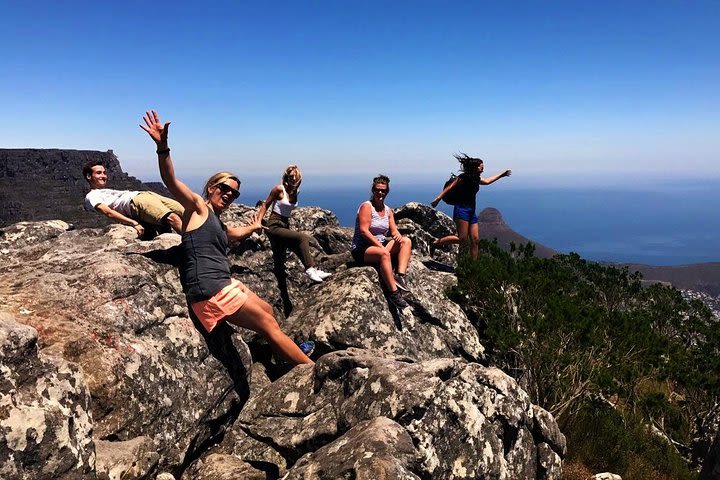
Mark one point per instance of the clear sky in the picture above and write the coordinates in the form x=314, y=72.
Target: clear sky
x=586, y=90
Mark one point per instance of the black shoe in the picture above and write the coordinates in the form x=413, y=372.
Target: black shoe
x=400, y=282
x=397, y=300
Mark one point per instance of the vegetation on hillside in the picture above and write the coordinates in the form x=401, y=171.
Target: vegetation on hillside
x=624, y=369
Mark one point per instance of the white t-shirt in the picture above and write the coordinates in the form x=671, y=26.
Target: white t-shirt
x=118, y=200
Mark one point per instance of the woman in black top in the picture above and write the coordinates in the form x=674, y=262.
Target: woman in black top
x=212, y=293
x=465, y=188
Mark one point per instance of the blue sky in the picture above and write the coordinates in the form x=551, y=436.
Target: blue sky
x=595, y=92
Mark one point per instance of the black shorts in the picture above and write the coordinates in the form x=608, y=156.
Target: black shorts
x=358, y=254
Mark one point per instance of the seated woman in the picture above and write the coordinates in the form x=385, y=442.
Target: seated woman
x=282, y=200
x=371, y=246
x=212, y=294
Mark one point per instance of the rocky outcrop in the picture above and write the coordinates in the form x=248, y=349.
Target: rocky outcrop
x=44, y=184
x=104, y=374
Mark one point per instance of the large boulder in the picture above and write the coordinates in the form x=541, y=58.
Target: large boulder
x=45, y=416
x=465, y=420
x=105, y=375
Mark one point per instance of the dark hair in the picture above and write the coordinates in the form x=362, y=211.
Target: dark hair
x=467, y=161
x=87, y=169
x=381, y=179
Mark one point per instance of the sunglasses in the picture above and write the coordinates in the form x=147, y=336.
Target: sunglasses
x=225, y=188
x=380, y=190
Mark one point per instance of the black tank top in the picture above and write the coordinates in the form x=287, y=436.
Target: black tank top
x=206, y=268
x=468, y=186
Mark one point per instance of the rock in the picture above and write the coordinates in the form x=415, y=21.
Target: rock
x=45, y=417
x=377, y=449
x=434, y=222
x=100, y=314
x=606, y=476
x=223, y=467
x=121, y=316
x=465, y=420
x=132, y=459
x=350, y=309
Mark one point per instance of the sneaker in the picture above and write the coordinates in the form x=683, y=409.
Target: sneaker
x=397, y=300
x=400, y=282
x=322, y=274
x=307, y=347
x=313, y=274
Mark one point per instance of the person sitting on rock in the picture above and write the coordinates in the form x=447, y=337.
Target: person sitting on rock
x=464, y=189
x=371, y=246
x=282, y=200
x=129, y=207
x=212, y=294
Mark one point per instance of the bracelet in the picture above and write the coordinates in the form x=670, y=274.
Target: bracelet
x=163, y=151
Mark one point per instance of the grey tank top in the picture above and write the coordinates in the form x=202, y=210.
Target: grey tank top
x=379, y=226
x=206, y=268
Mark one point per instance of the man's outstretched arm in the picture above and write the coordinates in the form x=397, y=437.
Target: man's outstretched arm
x=118, y=217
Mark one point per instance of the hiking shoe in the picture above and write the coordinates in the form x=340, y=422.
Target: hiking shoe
x=313, y=274
x=307, y=347
x=400, y=282
x=321, y=274
x=397, y=300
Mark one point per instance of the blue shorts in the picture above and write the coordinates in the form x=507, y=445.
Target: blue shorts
x=466, y=214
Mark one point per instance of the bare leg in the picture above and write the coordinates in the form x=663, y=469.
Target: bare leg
x=381, y=257
x=474, y=239
x=402, y=250
x=447, y=240
x=175, y=222
x=256, y=315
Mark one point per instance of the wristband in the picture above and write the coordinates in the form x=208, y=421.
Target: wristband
x=163, y=151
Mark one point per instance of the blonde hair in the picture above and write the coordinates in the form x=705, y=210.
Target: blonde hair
x=290, y=170
x=219, y=177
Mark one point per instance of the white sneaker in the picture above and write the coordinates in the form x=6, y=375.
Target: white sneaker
x=313, y=274
x=322, y=274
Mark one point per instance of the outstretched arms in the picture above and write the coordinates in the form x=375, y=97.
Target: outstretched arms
x=118, y=217
x=159, y=133
x=489, y=180
x=435, y=202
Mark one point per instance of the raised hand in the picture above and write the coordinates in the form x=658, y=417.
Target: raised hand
x=157, y=131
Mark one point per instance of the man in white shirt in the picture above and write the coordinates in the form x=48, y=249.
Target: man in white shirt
x=129, y=207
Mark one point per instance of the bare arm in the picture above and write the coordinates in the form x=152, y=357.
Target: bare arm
x=235, y=234
x=272, y=196
x=489, y=180
x=118, y=217
x=394, y=233
x=158, y=131
x=364, y=218
x=435, y=202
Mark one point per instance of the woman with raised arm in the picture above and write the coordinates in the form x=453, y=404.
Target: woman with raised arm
x=212, y=294
x=464, y=189
x=282, y=200
x=371, y=246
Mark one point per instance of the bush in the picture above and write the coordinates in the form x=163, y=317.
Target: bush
x=569, y=329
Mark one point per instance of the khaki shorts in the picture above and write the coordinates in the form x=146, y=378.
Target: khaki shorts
x=227, y=301
x=149, y=207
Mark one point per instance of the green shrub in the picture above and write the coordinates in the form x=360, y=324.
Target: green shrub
x=569, y=329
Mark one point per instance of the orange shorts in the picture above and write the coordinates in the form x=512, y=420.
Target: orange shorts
x=227, y=301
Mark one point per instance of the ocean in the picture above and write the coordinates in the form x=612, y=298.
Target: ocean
x=671, y=223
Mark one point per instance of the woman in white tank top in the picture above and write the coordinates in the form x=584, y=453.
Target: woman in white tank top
x=281, y=201
x=377, y=241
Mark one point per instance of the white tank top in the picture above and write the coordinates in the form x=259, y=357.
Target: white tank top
x=283, y=207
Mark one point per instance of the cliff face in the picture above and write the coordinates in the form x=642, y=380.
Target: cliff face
x=104, y=375
x=44, y=184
